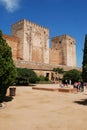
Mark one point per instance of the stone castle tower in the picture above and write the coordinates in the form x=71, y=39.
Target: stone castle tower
x=65, y=49
x=34, y=41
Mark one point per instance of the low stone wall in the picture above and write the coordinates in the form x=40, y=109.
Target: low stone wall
x=66, y=90
x=48, y=89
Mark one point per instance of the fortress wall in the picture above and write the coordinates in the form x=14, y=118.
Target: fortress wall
x=67, y=45
x=18, y=31
x=34, y=41
x=55, y=56
x=13, y=43
x=36, y=38
x=42, y=67
x=71, y=53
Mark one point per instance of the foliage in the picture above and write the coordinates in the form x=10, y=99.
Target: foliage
x=7, y=67
x=42, y=78
x=58, y=70
x=84, y=64
x=45, y=82
x=25, y=76
x=46, y=79
x=73, y=75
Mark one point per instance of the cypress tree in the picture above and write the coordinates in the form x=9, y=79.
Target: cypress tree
x=84, y=63
x=7, y=68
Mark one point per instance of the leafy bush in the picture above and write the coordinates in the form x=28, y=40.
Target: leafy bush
x=46, y=79
x=42, y=79
x=25, y=76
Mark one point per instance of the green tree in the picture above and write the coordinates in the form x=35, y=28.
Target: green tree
x=58, y=70
x=84, y=63
x=73, y=75
x=7, y=67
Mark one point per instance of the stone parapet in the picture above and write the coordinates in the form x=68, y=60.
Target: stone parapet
x=39, y=66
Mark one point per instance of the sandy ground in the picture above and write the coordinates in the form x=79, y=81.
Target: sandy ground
x=44, y=110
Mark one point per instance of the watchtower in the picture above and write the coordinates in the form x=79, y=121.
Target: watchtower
x=34, y=41
x=66, y=46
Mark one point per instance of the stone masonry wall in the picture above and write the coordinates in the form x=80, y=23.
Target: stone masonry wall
x=36, y=40
x=34, y=43
x=18, y=31
x=71, y=52
x=66, y=47
x=13, y=43
x=55, y=56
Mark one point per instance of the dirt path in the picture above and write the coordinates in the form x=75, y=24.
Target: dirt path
x=44, y=110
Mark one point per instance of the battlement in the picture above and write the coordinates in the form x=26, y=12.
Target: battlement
x=19, y=22
x=65, y=36
x=27, y=22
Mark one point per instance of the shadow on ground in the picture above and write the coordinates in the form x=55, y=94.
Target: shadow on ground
x=8, y=98
x=81, y=102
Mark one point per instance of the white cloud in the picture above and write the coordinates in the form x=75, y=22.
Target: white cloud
x=10, y=5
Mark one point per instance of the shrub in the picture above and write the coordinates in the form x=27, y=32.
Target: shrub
x=43, y=79
x=46, y=79
x=25, y=76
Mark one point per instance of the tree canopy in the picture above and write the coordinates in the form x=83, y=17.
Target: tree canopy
x=7, y=67
x=73, y=75
x=84, y=63
x=58, y=70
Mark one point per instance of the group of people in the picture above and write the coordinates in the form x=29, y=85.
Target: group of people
x=79, y=86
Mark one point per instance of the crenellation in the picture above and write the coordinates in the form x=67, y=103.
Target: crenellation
x=19, y=22
x=35, y=25
x=65, y=36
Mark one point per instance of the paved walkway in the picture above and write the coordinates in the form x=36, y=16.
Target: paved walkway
x=44, y=110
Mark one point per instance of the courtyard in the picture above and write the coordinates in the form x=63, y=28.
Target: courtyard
x=32, y=109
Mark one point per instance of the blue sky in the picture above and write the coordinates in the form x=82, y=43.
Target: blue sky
x=60, y=16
